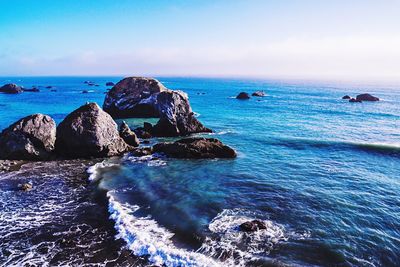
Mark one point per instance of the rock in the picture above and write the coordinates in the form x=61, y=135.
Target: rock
x=367, y=97
x=33, y=89
x=195, y=148
x=243, y=96
x=132, y=98
x=252, y=226
x=89, y=132
x=10, y=165
x=49, y=87
x=143, y=151
x=176, y=116
x=346, y=97
x=30, y=138
x=54, y=90
x=353, y=100
x=258, y=94
x=11, y=88
x=25, y=186
x=142, y=133
x=128, y=135
x=147, y=97
x=85, y=91
x=110, y=84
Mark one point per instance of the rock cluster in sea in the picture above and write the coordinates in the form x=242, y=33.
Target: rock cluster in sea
x=360, y=98
x=90, y=131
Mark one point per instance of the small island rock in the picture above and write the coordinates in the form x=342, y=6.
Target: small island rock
x=346, y=97
x=367, y=97
x=258, y=94
x=11, y=88
x=243, y=96
x=195, y=148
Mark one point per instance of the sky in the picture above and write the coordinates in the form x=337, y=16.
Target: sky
x=308, y=39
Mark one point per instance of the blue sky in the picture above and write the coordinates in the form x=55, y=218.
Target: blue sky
x=358, y=39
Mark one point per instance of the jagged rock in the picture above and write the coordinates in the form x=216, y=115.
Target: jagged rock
x=147, y=97
x=128, y=135
x=367, y=97
x=131, y=98
x=346, y=97
x=195, y=148
x=243, y=96
x=11, y=88
x=258, y=93
x=252, y=226
x=30, y=138
x=89, y=132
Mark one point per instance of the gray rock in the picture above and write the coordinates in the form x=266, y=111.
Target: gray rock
x=89, y=132
x=30, y=138
x=195, y=148
x=128, y=135
x=11, y=88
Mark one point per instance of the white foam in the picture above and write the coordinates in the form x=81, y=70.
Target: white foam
x=93, y=171
x=154, y=160
x=144, y=237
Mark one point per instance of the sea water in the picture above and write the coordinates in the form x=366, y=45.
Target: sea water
x=322, y=173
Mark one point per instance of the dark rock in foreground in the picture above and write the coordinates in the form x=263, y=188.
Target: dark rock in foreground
x=146, y=97
x=346, y=97
x=110, y=84
x=30, y=138
x=258, y=94
x=252, y=226
x=11, y=88
x=243, y=96
x=367, y=97
x=354, y=100
x=195, y=148
x=89, y=132
x=128, y=135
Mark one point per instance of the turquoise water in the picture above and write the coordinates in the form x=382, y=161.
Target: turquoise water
x=323, y=173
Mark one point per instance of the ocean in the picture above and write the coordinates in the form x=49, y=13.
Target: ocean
x=322, y=173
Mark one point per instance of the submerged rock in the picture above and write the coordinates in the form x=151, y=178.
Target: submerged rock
x=33, y=89
x=258, y=94
x=354, y=100
x=128, y=135
x=25, y=186
x=30, y=138
x=147, y=97
x=11, y=88
x=89, y=132
x=195, y=148
x=252, y=226
x=243, y=96
x=367, y=97
x=85, y=91
x=346, y=97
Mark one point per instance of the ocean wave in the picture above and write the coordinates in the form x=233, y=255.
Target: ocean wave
x=237, y=248
x=144, y=237
x=94, y=170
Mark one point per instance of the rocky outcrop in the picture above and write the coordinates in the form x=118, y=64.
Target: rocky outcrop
x=195, y=148
x=147, y=97
x=354, y=100
x=89, y=132
x=346, y=97
x=176, y=116
x=11, y=88
x=128, y=135
x=258, y=93
x=31, y=138
x=367, y=97
x=243, y=96
x=252, y=226
x=133, y=97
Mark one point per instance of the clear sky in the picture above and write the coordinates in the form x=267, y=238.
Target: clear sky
x=345, y=39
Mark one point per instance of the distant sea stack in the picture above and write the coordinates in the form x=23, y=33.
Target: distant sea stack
x=140, y=97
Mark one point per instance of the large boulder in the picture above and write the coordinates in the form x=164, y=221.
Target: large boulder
x=11, y=88
x=89, y=132
x=367, y=97
x=147, y=97
x=176, y=116
x=195, y=148
x=128, y=135
x=30, y=138
x=130, y=98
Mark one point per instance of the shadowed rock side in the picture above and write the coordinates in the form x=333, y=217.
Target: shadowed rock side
x=89, y=132
x=195, y=148
x=128, y=135
x=30, y=138
x=147, y=97
x=11, y=88
x=129, y=98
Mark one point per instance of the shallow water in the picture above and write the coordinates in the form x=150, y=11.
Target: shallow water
x=323, y=173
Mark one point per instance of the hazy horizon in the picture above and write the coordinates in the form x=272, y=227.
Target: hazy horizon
x=306, y=40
